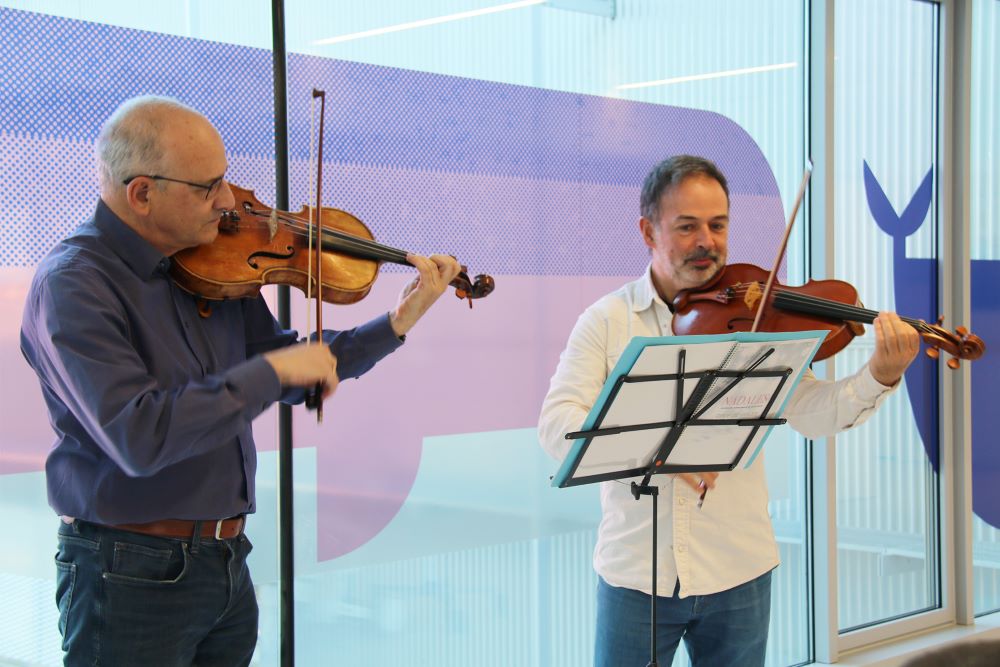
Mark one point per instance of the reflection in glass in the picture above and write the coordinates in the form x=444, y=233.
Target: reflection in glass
x=886, y=92
x=501, y=574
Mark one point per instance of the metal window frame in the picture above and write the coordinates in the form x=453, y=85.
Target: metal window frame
x=955, y=472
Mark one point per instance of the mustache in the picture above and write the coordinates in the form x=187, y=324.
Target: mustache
x=701, y=254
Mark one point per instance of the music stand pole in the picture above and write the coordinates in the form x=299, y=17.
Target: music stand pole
x=692, y=410
x=645, y=490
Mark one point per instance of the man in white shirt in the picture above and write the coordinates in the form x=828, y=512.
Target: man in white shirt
x=718, y=557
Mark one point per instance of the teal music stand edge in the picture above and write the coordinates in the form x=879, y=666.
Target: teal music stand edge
x=628, y=358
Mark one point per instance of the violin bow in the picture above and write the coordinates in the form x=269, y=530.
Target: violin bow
x=784, y=244
x=315, y=398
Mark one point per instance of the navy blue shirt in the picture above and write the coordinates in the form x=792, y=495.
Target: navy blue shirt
x=152, y=403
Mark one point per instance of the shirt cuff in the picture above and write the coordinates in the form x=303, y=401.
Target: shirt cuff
x=868, y=389
x=379, y=333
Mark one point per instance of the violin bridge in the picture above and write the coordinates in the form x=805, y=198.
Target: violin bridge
x=753, y=295
x=272, y=223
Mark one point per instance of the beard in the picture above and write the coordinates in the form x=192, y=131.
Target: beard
x=697, y=276
x=702, y=254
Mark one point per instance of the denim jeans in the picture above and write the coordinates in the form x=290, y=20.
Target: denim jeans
x=726, y=629
x=131, y=599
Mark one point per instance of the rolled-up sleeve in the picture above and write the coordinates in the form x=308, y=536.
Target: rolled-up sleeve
x=819, y=408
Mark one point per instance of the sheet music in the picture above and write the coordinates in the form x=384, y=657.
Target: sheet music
x=791, y=354
x=655, y=401
x=637, y=401
x=661, y=359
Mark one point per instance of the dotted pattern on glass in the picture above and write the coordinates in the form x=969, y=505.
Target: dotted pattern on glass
x=510, y=179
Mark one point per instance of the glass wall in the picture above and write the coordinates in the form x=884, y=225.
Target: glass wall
x=985, y=251
x=886, y=133
x=514, y=136
x=66, y=66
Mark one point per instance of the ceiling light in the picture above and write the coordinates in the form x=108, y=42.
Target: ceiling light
x=710, y=75
x=426, y=22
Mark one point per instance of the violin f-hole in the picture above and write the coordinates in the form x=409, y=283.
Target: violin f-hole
x=251, y=260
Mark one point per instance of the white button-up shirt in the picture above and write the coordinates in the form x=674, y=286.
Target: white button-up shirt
x=727, y=542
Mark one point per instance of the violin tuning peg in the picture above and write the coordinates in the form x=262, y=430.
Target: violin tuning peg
x=940, y=320
x=953, y=364
x=962, y=331
x=933, y=352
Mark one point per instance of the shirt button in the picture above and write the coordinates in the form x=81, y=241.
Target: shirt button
x=681, y=548
x=681, y=501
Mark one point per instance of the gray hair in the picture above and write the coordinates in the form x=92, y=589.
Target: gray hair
x=669, y=174
x=129, y=142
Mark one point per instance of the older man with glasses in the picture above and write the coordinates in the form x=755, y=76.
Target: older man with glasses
x=152, y=470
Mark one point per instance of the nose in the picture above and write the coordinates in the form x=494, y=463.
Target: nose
x=705, y=238
x=225, y=200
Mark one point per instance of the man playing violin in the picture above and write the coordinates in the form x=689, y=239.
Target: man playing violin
x=153, y=467
x=721, y=553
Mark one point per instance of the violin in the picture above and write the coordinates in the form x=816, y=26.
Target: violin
x=731, y=301
x=327, y=253
x=258, y=245
x=744, y=297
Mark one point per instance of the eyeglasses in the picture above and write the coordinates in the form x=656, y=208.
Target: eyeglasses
x=212, y=188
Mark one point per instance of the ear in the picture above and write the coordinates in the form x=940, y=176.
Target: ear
x=137, y=195
x=649, y=232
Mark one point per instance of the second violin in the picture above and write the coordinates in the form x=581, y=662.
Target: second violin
x=732, y=300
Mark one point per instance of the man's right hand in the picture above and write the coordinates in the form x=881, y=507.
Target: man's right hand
x=305, y=364
x=699, y=481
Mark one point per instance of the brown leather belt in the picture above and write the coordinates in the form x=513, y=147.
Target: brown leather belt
x=223, y=529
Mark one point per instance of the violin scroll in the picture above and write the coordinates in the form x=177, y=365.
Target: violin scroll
x=962, y=344
x=481, y=287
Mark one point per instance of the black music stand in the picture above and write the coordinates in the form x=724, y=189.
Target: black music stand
x=716, y=413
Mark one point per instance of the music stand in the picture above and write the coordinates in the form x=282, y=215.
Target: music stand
x=719, y=397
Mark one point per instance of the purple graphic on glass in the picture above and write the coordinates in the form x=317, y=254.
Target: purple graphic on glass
x=916, y=295
x=536, y=187
x=915, y=289
x=533, y=186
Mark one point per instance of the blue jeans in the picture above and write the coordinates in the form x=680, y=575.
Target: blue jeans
x=725, y=629
x=130, y=599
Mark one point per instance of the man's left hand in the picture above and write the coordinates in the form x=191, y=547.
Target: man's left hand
x=896, y=346
x=436, y=272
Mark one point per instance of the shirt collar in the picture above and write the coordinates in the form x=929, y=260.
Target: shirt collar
x=645, y=294
x=135, y=251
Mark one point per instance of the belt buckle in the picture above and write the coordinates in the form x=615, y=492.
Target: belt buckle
x=218, y=529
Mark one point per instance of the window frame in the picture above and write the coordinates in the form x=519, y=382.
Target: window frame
x=954, y=511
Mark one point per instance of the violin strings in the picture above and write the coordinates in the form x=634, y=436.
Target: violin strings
x=845, y=311
x=826, y=307
x=348, y=243
x=343, y=240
